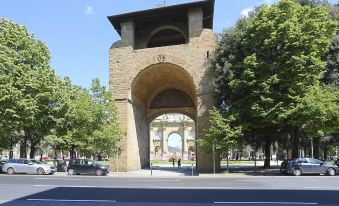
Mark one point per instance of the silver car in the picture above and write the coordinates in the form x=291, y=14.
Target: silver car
x=26, y=166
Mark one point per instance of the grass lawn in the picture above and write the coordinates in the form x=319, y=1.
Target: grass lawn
x=239, y=162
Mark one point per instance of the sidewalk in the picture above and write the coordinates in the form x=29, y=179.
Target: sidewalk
x=158, y=171
x=235, y=170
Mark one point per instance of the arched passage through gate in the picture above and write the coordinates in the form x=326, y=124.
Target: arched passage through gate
x=160, y=89
x=172, y=136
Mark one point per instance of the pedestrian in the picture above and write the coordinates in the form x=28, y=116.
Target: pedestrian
x=179, y=162
x=173, y=161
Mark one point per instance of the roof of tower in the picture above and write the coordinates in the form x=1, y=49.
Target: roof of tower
x=152, y=16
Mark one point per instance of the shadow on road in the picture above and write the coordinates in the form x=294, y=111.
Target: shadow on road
x=168, y=170
x=112, y=196
x=252, y=171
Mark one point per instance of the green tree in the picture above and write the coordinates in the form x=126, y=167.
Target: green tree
x=107, y=134
x=87, y=121
x=27, y=86
x=272, y=62
x=283, y=47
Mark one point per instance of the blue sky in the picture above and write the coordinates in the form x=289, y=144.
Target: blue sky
x=174, y=140
x=79, y=35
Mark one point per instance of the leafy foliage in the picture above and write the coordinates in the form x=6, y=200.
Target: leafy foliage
x=36, y=105
x=269, y=68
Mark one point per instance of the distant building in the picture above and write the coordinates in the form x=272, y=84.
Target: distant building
x=160, y=130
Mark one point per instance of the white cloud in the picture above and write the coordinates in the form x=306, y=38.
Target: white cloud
x=268, y=2
x=88, y=10
x=246, y=12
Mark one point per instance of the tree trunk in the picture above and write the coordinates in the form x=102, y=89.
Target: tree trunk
x=32, y=152
x=23, y=148
x=295, y=144
x=72, y=152
x=267, y=149
x=32, y=149
x=316, y=141
x=10, y=156
x=325, y=151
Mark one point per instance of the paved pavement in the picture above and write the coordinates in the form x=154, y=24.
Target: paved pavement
x=163, y=171
x=176, y=190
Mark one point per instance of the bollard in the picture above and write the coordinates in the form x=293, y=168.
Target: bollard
x=192, y=169
x=151, y=170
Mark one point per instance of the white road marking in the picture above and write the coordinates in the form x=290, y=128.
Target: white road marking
x=192, y=188
x=124, y=186
x=155, y=180
x=48, y=178
x=271, y=203
x=65, y=200
x=63, y=186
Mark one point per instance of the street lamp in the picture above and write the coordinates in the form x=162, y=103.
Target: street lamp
x=213, y=150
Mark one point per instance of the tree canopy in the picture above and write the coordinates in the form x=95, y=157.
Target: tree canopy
x=37, y=106
x=272, y=63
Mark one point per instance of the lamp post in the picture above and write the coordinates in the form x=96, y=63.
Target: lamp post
x=213, y=150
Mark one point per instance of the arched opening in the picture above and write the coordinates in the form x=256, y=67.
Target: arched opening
x=166, y=37
x=178, y=139
x=174, y=146
x=163, y=91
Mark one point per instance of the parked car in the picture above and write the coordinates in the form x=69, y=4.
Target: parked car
x=40, y=163
x=26, y=166
x=84, y=166
x=301, y=166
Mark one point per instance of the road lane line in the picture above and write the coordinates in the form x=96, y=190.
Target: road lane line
x=270, y=203
x=64, y=186
x=155, y=180
x=51, y=178
x=65, y=200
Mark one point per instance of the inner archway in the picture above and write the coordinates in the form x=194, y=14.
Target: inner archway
x=174, y=146
x=172, y=135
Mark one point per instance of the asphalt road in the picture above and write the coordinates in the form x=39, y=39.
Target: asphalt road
x=88, y=190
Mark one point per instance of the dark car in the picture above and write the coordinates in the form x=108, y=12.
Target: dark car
x=337, y=162
x=301, y=166
x=84, y=166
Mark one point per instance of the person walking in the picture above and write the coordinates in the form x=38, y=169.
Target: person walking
x=179, y=162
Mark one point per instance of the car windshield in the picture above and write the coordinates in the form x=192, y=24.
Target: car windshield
x=36, y=162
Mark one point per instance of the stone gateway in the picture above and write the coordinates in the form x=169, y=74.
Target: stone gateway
x=158, y=67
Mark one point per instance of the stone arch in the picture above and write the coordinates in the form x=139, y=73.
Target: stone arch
x=162, y=58
x=159, y=78
x=168, y=28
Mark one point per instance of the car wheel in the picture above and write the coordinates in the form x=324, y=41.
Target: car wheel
x=330, y=172
x=98, y=172
x=296, y=172
x=71, y=172
x=40, y=171
x=10, y=171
